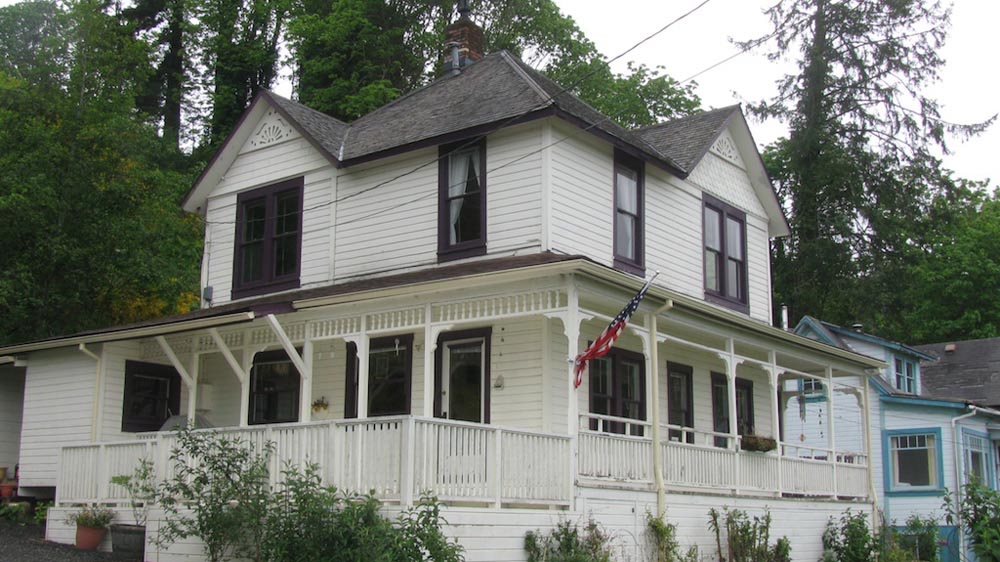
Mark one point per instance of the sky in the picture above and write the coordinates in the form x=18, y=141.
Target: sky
x=968, y=90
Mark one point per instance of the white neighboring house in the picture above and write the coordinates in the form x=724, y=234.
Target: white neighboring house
x=397, y=299
x=923, y=444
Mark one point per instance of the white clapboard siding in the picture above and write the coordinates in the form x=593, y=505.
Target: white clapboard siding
x=114, y=355
x=758, y=268
x=218, y=391
x=674, y=243
x=517, y=358
x=11, y=408
x=581, y=183
x=513, y=189
x=58, y=411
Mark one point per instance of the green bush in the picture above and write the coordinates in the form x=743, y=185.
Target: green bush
x=663, y=537
x=979, y=514
x=41, y=512
x=219, y=493
x=141, y=489
x=313, y=523
x=746, y=539
x=849, y=539
x=567, y=543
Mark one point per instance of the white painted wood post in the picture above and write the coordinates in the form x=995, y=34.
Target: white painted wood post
x=193, y=371
x=730, y=359
x=571, y=325
x=305, y=394
x=773, y=374
x=406, y=491
x=248, y=355
x=430, y=346
x=830, y=427
x=362, y=345
x=495, y=468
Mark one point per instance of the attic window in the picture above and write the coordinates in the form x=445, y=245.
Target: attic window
x=462, y=201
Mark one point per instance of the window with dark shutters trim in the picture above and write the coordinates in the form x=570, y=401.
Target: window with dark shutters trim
x=268, y=248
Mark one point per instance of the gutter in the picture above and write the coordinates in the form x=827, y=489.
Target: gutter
x=128, y=334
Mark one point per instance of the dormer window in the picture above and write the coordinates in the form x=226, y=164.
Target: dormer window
x=462, y=196
x=725, y=254
x=905, y=375
x=268, y=239
x=628, y=237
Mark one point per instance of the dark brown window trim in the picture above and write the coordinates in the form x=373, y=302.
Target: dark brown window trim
x=486, y=334
x=719, y=297
x=617, y=409
x=273, y=356
x=471, y=248
x=133, y=369
x=719, y=379
x=269, y=283
x=351, y=375
x=688, y=373
x=636, y=266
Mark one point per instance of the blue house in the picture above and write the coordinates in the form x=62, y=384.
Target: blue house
x=923, y=444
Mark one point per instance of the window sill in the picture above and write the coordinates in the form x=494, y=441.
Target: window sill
x=452, y=254
x=915, y=492
x=630, y=267
x=728, y=303
x=257, y=290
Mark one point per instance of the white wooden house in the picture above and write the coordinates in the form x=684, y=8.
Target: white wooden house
x=397, y=299
x=924, y=444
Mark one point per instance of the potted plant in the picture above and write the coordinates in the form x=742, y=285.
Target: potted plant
x=758, y=443
x=91, y=525
x=141, y=488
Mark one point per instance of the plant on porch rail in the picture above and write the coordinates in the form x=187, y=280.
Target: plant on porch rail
x=219, y=492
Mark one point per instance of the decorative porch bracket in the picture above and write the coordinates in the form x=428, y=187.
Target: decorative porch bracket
x=190, y=379
x=303, y=366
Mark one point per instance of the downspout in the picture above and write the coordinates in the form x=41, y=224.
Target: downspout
x=866, y=407
x=98, y=411
x=958, y=471
x=661, y=491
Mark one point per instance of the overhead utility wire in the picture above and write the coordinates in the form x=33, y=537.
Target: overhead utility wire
x=502, y=124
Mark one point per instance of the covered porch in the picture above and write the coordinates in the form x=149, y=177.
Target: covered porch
x=468, y=394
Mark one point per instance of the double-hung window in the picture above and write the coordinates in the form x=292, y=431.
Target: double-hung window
x=629, y=227
x=462, y=201
x=905, y=372
x=268, y=239
x=977, y=450
x=725, y=254
x=915, y=460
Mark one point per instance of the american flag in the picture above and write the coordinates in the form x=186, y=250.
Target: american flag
x=604, y=342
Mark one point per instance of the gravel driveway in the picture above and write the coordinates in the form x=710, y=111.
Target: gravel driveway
x=26, y=543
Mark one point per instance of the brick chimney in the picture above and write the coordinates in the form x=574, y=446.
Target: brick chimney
x=463, y=41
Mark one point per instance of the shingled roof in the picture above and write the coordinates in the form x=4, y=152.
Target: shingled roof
x=687, y=139
x=971, y=371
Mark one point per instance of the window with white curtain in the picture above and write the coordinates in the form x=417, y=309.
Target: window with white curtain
x=462, y=212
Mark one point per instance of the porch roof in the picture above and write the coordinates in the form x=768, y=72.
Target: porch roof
x=498, y=269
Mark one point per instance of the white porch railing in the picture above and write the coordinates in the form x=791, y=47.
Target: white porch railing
x=619, y=449
x=397, y=458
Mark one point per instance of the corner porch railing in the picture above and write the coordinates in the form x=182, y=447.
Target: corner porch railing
x=614, y=449
x=397, y=458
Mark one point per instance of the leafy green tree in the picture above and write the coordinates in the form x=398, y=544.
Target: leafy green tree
x=859, y=169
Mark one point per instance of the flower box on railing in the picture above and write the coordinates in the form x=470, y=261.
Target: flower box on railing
x=758, y=443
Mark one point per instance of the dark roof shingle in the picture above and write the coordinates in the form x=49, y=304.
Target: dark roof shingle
x=687, y=139
x=970, y=372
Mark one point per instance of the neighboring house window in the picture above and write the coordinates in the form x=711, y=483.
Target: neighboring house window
x=915, y=460
x=629, y=224
x=680, y=401
x=720, y=407
x=618, y=388
x=268, y=239
x=812, y=390
x=725, y=254
x=274, y=388
x=390, y=371
x=462, y=375
x=152, y=394
x=976, y=455
x=906, y=375
x=462, y=196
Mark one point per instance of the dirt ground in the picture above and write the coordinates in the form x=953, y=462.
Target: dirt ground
x=26, y=543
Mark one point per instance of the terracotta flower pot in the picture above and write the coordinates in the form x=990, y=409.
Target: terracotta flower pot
x=89, y=538
x=7, y=490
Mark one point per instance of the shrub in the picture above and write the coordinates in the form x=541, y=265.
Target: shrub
x=566, y=543
x=310, y=522
x=223, y=481
x=747, y=539
x=41, y=512
x=979, y=514
x=663, y=537
x=141, y=488
x=919, y=539
x=92, y=516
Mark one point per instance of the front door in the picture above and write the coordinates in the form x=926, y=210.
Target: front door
x=463, y=378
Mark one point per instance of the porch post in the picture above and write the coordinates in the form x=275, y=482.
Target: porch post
x=248, y=355
x=362, y=344
x=773, y=373
x=571, y=325
x=831, y=437
x=194, y=368
x=730, y=360
x=430, y=347
x=305, y=394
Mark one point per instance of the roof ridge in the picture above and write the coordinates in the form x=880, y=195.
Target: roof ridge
x=280, y=97
x=510, y=60
x=702, y=113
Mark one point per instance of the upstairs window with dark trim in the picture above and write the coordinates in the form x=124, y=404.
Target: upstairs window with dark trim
x=274, y=388
x=618, y=388
x=462, y=201
x=152, y=394
x=390, y=373
x=725, y=254
x=268, y=239
x=629, y=212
